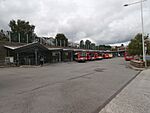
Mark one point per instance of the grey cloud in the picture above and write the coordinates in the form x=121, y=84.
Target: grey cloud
x=102, y=22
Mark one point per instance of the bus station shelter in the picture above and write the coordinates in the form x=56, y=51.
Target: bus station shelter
x=30, y=54
x=67, y=55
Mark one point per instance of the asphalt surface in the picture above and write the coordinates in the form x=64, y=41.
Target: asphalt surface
x=62, y=88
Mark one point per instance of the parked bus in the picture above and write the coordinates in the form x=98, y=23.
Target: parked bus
x=128, y=57
x=98, y=56
x=110, y=55
x=80, y=56
x=105, y=55
x=88, y=56
x=92, y=55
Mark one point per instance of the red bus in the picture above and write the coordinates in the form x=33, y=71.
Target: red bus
x=98, y=56
x=88, y=56
x=105, y=55
x=92, y=55
x=110, y=55
x=80, y=56
x=128, y=57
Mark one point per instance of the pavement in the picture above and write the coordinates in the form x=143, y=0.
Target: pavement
x=134, y=98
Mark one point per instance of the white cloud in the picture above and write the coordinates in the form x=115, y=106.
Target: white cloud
x=100, y=21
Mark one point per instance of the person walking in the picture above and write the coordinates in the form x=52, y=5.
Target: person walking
x=41, y=61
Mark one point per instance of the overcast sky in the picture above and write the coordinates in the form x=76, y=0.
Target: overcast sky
x=101, y=21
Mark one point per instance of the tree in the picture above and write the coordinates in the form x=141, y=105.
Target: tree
x=108, y=47
x=104, y=47
x=101, y=47
x=82, y=44
x=97, y=47
x=3, y=36
x=22, y=31
x=93, y=46
x=87, y=44
x=61, y=40
x=135, y=46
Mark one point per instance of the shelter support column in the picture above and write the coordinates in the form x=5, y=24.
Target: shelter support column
x=36, y=56
x=17, y=60
x=71, y=56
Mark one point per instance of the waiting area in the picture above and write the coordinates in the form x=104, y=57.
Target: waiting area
x=31, y=54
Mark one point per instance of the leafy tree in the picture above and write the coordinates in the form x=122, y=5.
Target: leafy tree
x=104, y=47
x=87, y=44
x=22, y=29
x=97, y=47
x=82, y=44
x=108, y=47
x=93, y=46
x=61, y=40
x=135, y=46
x=3, y=37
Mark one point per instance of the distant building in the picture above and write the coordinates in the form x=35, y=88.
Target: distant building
x=50, y=41
x=118, y=48
x=47, y=41
x=73, y=45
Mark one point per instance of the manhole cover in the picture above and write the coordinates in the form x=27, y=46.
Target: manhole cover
x=99, y=69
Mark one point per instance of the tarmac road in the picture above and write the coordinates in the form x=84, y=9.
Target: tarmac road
x=62, y=88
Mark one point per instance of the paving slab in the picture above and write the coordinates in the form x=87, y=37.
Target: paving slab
x=134, y=98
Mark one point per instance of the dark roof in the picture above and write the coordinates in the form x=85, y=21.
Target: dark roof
x=31, y=46
x=26, y=47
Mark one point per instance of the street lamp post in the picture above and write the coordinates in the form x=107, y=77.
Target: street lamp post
x=142, y=25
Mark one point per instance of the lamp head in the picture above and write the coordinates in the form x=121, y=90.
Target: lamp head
x=126, y=5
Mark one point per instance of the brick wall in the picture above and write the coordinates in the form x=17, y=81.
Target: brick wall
x=138, y=64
